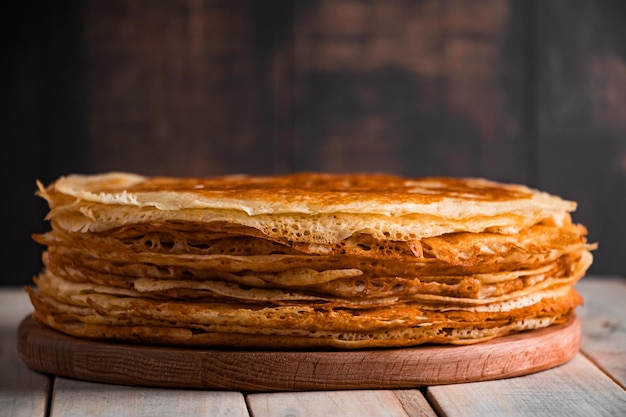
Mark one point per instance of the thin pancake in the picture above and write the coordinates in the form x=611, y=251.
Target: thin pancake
x=308, y=208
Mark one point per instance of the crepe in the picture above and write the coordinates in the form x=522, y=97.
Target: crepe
x=305, y=260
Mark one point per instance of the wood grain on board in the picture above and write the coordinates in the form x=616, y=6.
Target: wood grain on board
x=52, y=352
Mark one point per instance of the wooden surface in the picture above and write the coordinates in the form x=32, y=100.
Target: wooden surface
x=23, y=392
x=519, y=395
x=523, y=91
x=604, y=313
x=78, y=398
x=591, y=384
x=52, y=352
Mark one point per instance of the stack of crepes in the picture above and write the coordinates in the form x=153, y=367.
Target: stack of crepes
x=305, y=260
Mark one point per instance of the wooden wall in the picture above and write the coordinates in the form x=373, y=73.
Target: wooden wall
x=522, y=91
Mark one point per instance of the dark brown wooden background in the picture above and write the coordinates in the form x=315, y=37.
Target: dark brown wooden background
x=522, y=91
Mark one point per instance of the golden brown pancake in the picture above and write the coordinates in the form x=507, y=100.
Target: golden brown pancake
x=305, y=260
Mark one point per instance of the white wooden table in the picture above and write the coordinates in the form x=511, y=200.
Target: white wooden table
x=591, y=384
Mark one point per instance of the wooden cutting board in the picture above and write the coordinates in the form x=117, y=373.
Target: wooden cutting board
x=49, y=351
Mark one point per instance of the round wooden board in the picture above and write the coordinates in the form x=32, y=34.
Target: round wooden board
x=49, y=351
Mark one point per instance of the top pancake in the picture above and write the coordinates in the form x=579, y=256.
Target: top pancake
x=305, y=207
x=314, y=193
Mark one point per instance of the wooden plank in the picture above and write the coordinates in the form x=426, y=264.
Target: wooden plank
x=14, y=307
x=23, y=392
x=358, y=403
x=77, y=398
x=604, y=324
x=577, y=388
